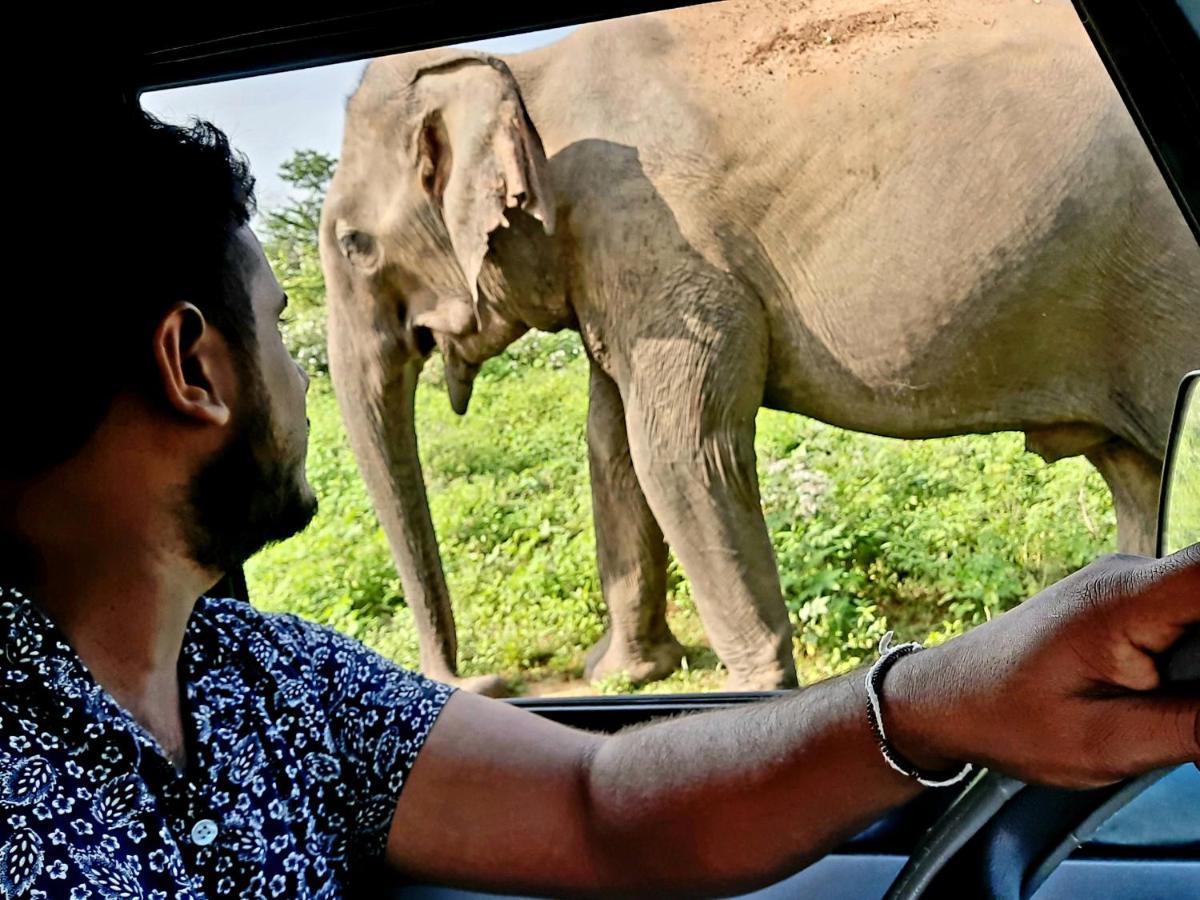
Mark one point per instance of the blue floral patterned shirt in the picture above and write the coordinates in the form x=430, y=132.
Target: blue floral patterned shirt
x=299, y=741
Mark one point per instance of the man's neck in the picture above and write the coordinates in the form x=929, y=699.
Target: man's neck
x=127, y=629
x=118, y=583
x=129, y=632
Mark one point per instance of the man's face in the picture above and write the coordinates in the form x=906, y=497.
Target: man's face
x=254, y=491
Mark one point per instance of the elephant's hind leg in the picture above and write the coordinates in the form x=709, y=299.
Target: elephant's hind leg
x=630, y=549
x=1134, y=477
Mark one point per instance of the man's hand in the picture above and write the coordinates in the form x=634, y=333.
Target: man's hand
x=1064, y=689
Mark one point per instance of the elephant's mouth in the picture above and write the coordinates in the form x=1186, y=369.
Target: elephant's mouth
x=424, y=340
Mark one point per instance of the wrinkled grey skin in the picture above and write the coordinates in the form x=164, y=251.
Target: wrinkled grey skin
x=921, y=220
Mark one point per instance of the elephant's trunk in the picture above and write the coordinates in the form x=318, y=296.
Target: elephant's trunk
x=376, y=382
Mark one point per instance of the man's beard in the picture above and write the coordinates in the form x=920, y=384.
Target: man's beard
x=250, y=494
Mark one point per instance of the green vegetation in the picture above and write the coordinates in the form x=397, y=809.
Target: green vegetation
x=1183, y=503
x=289, y=237
x=924, y=537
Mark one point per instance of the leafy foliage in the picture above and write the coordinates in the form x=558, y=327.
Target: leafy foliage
x=289, y=236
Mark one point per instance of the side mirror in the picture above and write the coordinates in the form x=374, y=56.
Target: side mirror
x=1179, y=504
x=1179, y=517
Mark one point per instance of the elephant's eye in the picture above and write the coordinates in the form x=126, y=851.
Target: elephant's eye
x=358, y=247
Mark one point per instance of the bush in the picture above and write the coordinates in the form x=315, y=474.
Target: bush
x=925, y=537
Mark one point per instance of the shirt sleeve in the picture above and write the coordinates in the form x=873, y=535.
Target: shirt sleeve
x=378, y=716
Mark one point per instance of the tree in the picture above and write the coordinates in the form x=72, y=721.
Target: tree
x=290, y=243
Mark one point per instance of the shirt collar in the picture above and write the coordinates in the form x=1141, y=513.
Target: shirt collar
x=43, y=670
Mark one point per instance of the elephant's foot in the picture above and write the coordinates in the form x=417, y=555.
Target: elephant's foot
x=484, y=685
x=772, y=678
x=641, y=661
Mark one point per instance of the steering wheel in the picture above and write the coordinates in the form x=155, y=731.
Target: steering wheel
x=1002, y=838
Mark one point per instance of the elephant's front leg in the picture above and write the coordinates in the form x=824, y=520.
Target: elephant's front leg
x=711, y=516
x=631, y=553
x=691, y=417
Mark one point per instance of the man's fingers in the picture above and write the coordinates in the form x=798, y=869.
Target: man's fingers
x=1162, y=599
x=1147, y=733
x=1173, y=585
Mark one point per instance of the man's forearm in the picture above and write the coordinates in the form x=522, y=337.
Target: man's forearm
x=1061, y=690
x=704, y=804
x=727, y=800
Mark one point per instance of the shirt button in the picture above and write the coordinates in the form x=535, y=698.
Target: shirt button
x=204, y=832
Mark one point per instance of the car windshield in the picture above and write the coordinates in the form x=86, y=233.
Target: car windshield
x=787, y=327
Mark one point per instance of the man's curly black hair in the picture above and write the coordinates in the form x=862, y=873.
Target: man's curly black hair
x=148, y=224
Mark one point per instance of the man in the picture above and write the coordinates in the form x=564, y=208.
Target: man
x=155, y=744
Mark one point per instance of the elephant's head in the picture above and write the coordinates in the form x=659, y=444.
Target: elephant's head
x=437, y=154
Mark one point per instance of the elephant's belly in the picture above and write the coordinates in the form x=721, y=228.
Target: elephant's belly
x=918, y=411
x=920, y=403
x=1027, y=371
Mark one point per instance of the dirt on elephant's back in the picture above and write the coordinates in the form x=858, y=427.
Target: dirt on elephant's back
x=781, y=39
x=792, y=41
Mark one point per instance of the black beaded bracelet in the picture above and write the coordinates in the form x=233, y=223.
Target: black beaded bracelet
x=888, y=655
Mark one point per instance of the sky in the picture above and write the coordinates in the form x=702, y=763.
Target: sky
x=268, y=117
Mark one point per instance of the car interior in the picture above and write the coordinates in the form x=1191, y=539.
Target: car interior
x=993, y=837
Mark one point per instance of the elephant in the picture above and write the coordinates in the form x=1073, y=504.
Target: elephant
x=915, y=219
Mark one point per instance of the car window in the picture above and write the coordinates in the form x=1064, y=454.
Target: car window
x=925, y=239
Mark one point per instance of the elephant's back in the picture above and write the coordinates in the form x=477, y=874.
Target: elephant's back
x=783, y=115
x=670, y=78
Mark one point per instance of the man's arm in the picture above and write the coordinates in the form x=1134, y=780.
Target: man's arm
x=1060, y=690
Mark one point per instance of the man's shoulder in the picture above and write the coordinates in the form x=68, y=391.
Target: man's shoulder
x=288, y=638
x=237, y=615
x=238, y=622
x=346, y=672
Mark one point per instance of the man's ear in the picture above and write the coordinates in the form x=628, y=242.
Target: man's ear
x=195, y=366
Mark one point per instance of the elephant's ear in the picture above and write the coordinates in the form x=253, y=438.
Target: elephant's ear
x=480, y=155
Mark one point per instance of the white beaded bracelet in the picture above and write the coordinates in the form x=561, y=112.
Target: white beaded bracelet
x=888, y=655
